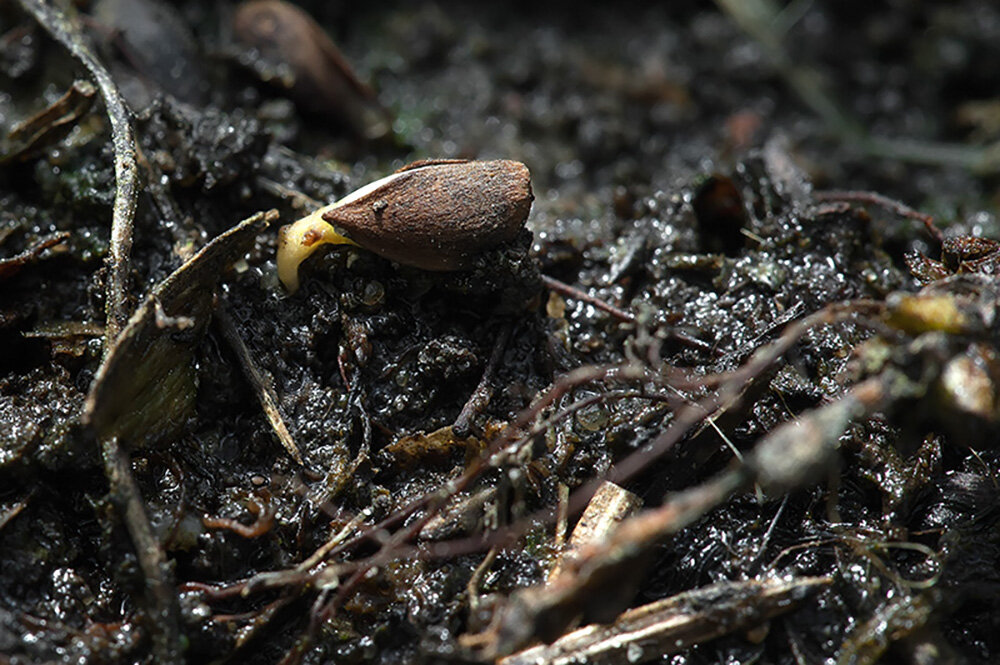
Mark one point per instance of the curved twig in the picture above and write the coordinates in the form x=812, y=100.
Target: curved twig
x=67, y=32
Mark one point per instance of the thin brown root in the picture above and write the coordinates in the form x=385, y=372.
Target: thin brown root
x=575, y=293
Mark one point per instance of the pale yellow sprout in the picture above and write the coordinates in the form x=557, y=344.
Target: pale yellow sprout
x=297, y=242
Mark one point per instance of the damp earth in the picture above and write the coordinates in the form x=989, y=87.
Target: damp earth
x=732, y=395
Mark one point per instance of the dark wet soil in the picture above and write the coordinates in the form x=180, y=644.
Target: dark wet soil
x=681, y=172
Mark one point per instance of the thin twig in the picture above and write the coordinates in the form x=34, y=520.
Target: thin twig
x=67, y=32
x=762, y=547
x=480, y=398
x=898, y=207
x=265, y=393
x=10, y=267
x=299, y=201
x=164, y=617
x=569, y=291
x=978, y=159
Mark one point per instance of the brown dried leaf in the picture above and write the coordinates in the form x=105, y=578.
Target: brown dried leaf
x=145, y=387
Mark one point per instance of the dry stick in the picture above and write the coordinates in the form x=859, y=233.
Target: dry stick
x=610, y=506
x=565, y=289
x=164, y=621
x=673, y=624
x=64, y=31
x=265, y=392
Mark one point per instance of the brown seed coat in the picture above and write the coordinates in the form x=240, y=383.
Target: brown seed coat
x=438, y=215
x=322, y=79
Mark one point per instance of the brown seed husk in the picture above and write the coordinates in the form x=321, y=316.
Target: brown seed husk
x=439, y=216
